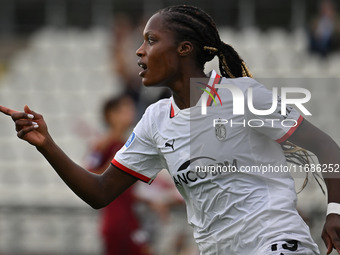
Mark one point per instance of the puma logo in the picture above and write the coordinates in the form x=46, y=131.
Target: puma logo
x=171, y=145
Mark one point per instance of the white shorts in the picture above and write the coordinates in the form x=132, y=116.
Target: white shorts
x=288, y=247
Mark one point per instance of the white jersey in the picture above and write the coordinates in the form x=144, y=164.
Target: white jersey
x=232, y=205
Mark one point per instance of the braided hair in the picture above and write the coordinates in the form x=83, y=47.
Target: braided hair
x=193, y=24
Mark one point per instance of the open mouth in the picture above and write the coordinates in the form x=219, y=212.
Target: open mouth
x=144, y=66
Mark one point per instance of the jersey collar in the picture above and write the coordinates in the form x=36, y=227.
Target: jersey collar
x=174, y=110
x=214, y=78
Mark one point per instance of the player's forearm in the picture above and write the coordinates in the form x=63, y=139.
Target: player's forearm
x=327, y=151
x=84, y=184
x=328, y=155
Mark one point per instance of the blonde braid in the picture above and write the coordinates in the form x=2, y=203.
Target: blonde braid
x=212, y=50
x=299, y=156
x=215, y=51
x=225, y=65
x=245, y=71
x=221, y=56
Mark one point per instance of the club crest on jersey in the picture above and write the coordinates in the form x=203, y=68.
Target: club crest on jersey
x=220, y=131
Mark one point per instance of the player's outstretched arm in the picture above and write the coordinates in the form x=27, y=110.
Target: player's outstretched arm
x=328, y=153
x=96, y=190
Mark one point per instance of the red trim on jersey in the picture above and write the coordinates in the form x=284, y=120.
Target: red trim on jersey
x=290, y=131
x=216, y=80
x=131, y=172
x=172, y=111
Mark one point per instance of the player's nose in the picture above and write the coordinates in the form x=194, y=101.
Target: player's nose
x=140, y=51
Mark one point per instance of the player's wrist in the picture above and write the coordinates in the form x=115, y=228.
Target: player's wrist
x=46, y=145
x=333, y=208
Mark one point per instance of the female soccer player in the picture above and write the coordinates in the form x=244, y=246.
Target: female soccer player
x=231, y=213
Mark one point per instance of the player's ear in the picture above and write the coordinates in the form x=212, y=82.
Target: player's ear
x=185, y=48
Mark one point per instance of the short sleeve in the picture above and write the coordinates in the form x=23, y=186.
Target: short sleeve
x=275, y=124
x=139, y=156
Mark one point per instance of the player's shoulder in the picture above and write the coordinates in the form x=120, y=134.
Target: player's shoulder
x=153, y=115
x=242, y=83
x=161, y=104
x=158, y=109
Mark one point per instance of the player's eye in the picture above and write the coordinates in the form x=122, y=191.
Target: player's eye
x=151, y=40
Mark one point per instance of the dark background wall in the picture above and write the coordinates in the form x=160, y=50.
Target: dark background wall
x=24, y=16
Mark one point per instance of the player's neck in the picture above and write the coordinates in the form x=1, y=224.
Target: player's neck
x=182, y=94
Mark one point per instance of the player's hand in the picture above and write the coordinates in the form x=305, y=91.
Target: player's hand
x=30, y=126
x=331, y=233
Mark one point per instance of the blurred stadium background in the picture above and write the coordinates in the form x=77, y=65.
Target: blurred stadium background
x=56, y=56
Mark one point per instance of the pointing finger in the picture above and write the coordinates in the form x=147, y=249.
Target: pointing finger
x=6, y=110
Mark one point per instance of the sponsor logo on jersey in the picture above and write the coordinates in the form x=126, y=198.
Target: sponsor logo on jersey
x=170, y=144
x=186, y=174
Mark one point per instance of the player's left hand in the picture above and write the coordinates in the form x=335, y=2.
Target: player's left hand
x=331, y=233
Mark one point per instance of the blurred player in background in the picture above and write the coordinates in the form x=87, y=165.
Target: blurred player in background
x=170, y=233
x=237, y=213
x=120, y=228
x=324, y=34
